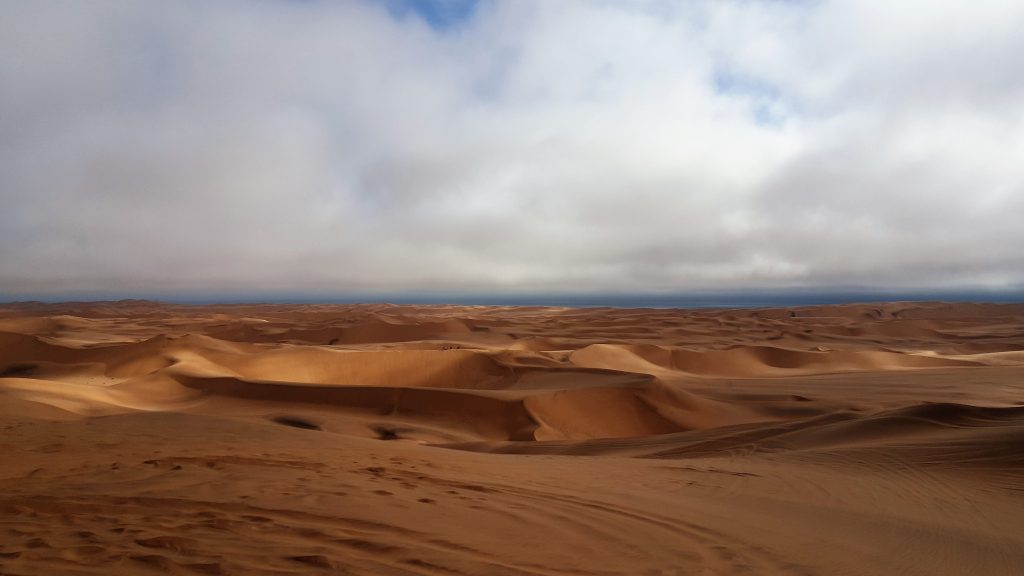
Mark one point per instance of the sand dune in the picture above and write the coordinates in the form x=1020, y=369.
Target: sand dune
x=141, y=438
x=760, y=361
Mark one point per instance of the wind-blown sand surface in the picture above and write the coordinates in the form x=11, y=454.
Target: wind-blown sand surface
x=146, y=438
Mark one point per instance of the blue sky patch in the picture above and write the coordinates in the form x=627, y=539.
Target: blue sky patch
x=439, y=14
x=767, y=104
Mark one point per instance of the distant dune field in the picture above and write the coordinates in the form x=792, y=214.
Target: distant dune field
x=146, y=438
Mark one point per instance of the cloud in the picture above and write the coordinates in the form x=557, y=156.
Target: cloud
x=311, y=147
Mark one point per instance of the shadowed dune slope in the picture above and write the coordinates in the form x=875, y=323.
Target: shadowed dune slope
x=953, y=435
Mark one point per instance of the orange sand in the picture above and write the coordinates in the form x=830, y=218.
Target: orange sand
x=146, y=438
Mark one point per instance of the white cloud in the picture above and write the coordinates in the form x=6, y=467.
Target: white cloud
x=320, y=147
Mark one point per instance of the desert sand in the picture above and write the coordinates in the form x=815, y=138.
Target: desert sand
x=147, y=438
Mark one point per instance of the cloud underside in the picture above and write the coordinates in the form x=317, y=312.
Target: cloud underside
x=530, y=146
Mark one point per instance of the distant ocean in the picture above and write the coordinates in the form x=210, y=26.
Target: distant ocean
x=682, y=300
x=708, y=301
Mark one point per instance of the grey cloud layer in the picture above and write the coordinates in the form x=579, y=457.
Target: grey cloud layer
x=315, y=146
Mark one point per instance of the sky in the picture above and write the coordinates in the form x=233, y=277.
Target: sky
x=315, y=147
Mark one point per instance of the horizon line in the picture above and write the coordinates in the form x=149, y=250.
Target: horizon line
x=737, y=298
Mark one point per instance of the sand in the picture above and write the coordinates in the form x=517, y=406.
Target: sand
x=145, y=438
